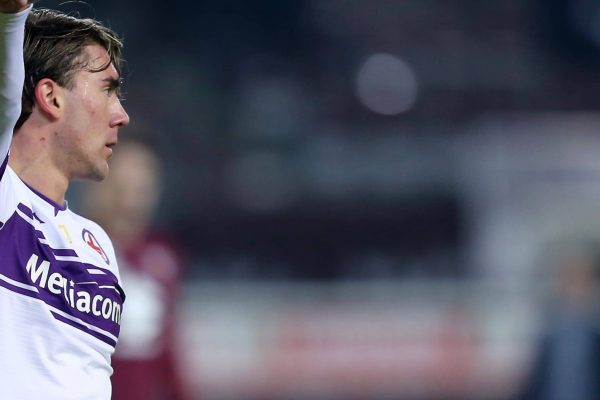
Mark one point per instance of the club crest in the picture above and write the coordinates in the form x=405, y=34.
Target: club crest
x=90, y=240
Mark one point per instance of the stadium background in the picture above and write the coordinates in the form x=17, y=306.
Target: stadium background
x=366, y=191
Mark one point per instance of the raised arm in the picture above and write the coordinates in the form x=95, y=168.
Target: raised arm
x=13, y=14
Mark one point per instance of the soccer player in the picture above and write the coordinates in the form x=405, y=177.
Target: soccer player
x=60, y=293
x=147, y=364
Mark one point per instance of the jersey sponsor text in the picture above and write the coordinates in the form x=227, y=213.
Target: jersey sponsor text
x=81, y=300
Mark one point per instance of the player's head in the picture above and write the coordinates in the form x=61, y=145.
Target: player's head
x=72, y=79
x=54, y=48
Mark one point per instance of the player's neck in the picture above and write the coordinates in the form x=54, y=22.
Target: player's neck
x=32, y=163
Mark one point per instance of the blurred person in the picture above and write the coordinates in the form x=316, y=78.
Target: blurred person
x=60, y=292
x=145, y=361
x=567, y=363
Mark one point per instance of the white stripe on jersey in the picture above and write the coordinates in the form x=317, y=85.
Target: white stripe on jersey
x=18, y=284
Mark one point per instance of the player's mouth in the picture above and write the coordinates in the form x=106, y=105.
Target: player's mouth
x=109, y=147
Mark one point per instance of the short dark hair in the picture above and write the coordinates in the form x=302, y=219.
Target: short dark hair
x=53, y=49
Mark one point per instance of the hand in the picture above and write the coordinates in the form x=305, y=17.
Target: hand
x=13, y=6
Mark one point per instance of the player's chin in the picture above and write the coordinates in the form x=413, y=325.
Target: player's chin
x=99, y=173
x=100, y=169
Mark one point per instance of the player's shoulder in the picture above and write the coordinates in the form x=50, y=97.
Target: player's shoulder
x=90, y=224
x=15, y=195
x=96, y=239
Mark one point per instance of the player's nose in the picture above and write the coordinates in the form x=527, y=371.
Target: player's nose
x=121, y=118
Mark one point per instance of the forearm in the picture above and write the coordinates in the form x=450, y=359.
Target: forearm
x=11, y=74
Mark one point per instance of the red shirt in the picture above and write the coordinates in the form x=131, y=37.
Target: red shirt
x=145, y=362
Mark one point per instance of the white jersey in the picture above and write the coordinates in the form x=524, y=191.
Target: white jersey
x=60, y=294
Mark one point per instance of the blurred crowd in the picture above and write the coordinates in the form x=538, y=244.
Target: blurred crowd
x=356, y=199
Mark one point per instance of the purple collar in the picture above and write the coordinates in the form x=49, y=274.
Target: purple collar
x=57, y=207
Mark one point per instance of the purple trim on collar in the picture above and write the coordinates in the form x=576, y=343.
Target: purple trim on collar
x=25, y=210
x=3, y=166
x=56, y=206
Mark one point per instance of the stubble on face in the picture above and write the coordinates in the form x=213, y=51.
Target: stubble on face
x=88, y=136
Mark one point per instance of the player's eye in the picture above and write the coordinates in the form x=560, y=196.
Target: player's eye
x=113, y=87
x=109, y=90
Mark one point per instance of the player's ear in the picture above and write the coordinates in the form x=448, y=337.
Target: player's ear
x=48, y=97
